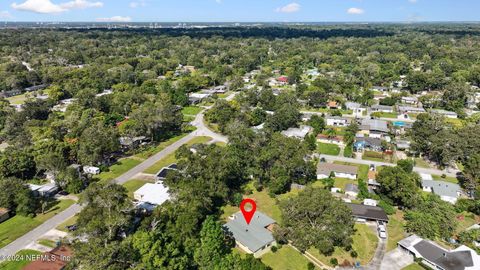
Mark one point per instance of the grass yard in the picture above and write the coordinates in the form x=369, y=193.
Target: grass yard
x=362, y=169
x=466, y=220
x=169, y=159
x=342, y=182
x=133, y=185
x=47, y=242
x=19, y=265
x=446, y=179
x=364, y=243
x=20, y=99
x=414, y=266
x=395, y=230
x=348, y=152
x=286, y=258
x=328, y=149
x=191, y=110
x=420, y=162
x=119, y=168
x=157, y=148
x=388, y=115
x=17, y=226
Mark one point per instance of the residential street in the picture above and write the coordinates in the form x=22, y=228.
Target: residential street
x=377, y=163
x=55, y=221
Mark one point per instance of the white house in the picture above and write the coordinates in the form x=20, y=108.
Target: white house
x=343, y=171
x=91, y=170
x=448, y=192
x=337, y=121
x=410, y=100
x=298, y=133
x=382, y=108
x=154, y=194
x=370, y=202
x=445, y=113
x=47, y=190
x=356, y=108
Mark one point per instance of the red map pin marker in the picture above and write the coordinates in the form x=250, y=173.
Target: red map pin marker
x=248, y=215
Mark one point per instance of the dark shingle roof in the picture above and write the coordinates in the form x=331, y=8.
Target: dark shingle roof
x=456, y=260
x=368, y=212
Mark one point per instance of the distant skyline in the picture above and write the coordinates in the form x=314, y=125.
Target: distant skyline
x=239, y=10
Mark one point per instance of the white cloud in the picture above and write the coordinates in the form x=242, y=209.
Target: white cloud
x=5, y=14
x=115, y=19
x=46, y=6
x=355, y=11
x=290, y=8
x=139, y=3
x=81, y=4
x=39, y=6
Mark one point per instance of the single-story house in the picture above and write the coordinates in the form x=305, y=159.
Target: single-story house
x=337, y=121
x=255, y=238
x=47, y=190
x=375, y=128
x=162, y=174
x=445, y=113
x=325, y=139
x=4, y=214
x=129, y=142
x=356, y=108
x=91, y=170
x=154, y=194
x=343, y=171
x=448, y=192
x=367, y=143
x=56, y=259
x=403, y=145
x=380, y=88
x=332, y=105
x=351, y=190
x=379, y=97
x=370, y=202
x=410, y=109
x=195, y=98
x=36, y=87
x=410, y=100
x=10, y=93
x=382, y=108
x=298, y=133
x=367, y=213
x=437, y=257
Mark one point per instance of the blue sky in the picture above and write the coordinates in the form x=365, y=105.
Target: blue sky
x=240, y=10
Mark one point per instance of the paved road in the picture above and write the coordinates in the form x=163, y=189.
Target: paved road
x=58, y=219
x=451, y=173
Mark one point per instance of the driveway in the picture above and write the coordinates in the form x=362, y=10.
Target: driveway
x=396, y=260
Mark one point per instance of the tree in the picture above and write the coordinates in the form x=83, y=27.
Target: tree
x=316, y=219
x=431, y=218
x=70, y=180
x=406, y=165
x=285, y=117
x=213, y=245
x=317, y=123
x=471, y=172
x=221, y=113
x=95, y=143
x=399, y=186
x=17, y=197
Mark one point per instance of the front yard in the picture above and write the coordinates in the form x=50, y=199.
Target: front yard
x=20, y=264
x=133, y=185
x=362, y=169
x=328, y=149
x=395, y=230
x=17, y=226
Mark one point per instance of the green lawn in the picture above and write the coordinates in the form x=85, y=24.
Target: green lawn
x=328, y=149
x=364, y=243
x=420, y=162
x=119, y=168
x=465, y=220
x=169, y=159
x=68, y=222
x=342, y=182
x=362, y=169
x=446, y=179
x=191, y=110
x=286, y=258
x=395, y=230
x=17, y=226
x=348, y=152
x=133, y=185
x=414, y=266
x=20, y=99
x=47, y=242
x=388, y=115
x=18, y=265
x=159, y=147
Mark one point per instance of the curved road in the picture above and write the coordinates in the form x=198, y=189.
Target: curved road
x=52, y=223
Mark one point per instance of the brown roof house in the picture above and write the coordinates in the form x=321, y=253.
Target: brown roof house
x=343, y=171
x=56, y=259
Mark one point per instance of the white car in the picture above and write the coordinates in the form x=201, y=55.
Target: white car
x=381, y=228
x=382, y=235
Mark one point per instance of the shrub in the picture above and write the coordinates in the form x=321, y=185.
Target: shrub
x=274, y=249
x=354, y=254
x=389, y=209
x=334, y=261
x=310, y=266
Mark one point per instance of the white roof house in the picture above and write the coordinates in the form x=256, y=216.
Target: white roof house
x=448, y=192
x=155, y=194
x=299, y=133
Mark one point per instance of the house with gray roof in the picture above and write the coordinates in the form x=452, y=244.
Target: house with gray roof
x=448, y=192
x=352, y=190
x=299, y=133
x=255, y=238
x=382, y=108
x=343, y=171
x=437, y=257
x=445, y=113
x=410, y=109
x=374, y=128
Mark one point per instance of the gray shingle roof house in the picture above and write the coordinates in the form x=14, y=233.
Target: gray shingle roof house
x=360, y=211
x=374, y=125
x=435, y=256
x=448, y=192
x=254, y=238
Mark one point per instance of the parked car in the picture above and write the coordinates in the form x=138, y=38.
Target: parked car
x=71, y=228
x=372, y=167
x=381, y=228
x=382, y=235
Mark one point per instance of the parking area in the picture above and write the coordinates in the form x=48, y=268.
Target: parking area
x=396, y=260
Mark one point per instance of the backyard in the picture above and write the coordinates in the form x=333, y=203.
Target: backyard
x=285, y=258
x=17, y=226
x=395, y=230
